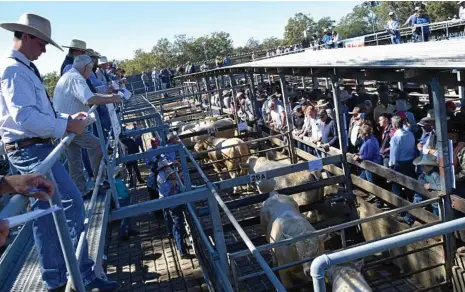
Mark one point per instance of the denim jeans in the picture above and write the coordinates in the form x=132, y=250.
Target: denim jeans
x=51, y=258
x=178, y=229
x=406, y=168
x=395, y=39
x=417, y=198
x=367, y=175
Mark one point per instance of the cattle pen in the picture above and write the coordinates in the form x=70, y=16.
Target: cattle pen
x=222, y=213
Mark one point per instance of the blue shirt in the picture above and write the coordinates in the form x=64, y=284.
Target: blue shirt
x=326, y=39
x=170, y=156
x=402, y=147
x=370, y=149
x=422, y=20
x=97, y=83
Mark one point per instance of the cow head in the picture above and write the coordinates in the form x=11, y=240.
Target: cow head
x=250, y=164
x=310, y=247
x=350, y=272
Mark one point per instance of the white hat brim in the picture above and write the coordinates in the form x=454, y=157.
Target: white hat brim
x=11, y=26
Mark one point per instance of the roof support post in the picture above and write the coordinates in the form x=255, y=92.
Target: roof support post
x=289, y=122
x=303, y=83
x=315, y=84
x=461, y=88
x=234, y=99
x=342, y=135
x=445, y=169
x=262, y=79
x=400, y=85
x=220, y=94
x=253, y=97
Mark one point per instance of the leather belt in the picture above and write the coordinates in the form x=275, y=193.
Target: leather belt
x=26, y=142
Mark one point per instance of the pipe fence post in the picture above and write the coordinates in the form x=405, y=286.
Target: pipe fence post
x=289, y=120
x=64, y=237
x=445, y=168
x=342, y=135
x=218, y=234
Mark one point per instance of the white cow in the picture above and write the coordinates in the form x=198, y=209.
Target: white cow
x=280, y=218
x=205, y=125
x=347, y=278
x=260, y=164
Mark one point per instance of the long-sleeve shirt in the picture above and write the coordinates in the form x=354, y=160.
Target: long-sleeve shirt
x=329, y=133
x=25, y=110
x=410, y=20
x=393, y=27
x=97, y=83
x=402, y=147
x=370, y=149
x=432, y=178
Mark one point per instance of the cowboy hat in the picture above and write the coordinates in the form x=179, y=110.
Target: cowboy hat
x=430, y=117
x=77, y=45
x=103, y=60
x=321, y=103
x=163, y=163
x=426, y=159
x=391, y=13
x=34, y=25
x=402, y=105
x=91, y=53
x=169, y=172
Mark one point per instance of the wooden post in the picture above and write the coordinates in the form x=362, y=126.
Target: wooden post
x=342, y=135
x=289, y=122
x=220, y=94
x=445, y=169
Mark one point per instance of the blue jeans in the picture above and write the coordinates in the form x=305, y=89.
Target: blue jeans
x=406, y=168
x=168, y=221
x=51, y=258
x=395, y=39
x=367, y=175
x=178, y=229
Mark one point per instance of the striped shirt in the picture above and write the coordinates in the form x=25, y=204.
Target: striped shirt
x=25, y=111
x=72, y=93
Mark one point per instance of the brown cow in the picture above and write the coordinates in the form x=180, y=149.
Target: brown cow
x=232, y=156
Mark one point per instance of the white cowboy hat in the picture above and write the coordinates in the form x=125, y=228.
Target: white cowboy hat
x=401, y=105
x=103, y=60
x=321, y=103
x=426, y=159
x=34, y=25
x=77, y=45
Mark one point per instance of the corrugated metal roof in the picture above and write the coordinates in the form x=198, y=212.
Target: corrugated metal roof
x=434, y=55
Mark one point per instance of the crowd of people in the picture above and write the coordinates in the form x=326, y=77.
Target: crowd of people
x=388, y=127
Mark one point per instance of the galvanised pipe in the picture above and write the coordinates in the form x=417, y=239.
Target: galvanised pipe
x=321, y=263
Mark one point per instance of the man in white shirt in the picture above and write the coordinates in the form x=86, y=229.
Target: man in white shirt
x=102, y=70
x=462, y=10
x=28, y=122
x=72, y=95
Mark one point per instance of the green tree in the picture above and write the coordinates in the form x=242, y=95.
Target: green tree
x=442, y=10
x=402, y=10
x=355, y=23
x=295, y=27
x=252, y=45
x=50, y=81
x=271, y=43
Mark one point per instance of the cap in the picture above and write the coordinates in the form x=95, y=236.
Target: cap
x=391, y=13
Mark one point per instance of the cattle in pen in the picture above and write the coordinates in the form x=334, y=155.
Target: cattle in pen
x=348, y=278
x=229, y=154
x=280, y=219
x=210, y=126
x=261, y=164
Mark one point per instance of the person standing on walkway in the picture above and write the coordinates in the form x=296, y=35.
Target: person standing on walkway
x=28, y=125
x=72, y=95
x=393, y=28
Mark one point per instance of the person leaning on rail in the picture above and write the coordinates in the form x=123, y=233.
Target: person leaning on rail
x=23, y=184
x=73, y=95
x=28, y=125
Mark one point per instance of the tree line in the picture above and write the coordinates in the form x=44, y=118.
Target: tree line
x=364, y=18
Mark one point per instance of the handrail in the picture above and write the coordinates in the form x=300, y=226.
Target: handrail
x=261, y=261
x=321, y=263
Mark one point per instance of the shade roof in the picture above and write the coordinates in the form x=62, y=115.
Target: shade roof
x=448, y=54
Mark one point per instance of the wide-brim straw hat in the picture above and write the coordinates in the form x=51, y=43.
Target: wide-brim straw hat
x=321, y=103
x=103, y=60
x=34, y=25
x=430, y=117
x=77, y=45
x=426, y=159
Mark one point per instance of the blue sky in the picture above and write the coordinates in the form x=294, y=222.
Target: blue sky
x=117, y=29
